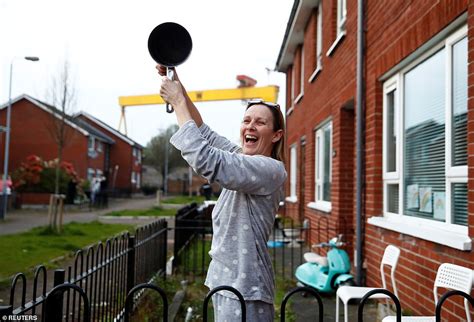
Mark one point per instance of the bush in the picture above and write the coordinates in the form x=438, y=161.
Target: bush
x=37, y=175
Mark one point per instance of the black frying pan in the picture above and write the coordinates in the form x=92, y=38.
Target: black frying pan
x=169, y=45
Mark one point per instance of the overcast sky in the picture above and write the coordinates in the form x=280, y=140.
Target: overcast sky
x=105, y=42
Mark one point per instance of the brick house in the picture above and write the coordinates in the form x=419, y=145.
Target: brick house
x=320, y=185
x=125, y=165
x=418, y=162
x=32, y=133
x=90, y=148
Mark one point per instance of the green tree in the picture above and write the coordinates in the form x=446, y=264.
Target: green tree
x=155, y=152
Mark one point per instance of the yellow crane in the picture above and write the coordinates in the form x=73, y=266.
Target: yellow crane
x=245, y=91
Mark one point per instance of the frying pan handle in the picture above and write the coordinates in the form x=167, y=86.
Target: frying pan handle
x=170, y=75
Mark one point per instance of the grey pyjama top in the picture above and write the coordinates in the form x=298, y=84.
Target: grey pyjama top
x=244, y=214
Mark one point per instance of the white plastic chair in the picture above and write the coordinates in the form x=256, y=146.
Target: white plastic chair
x=346, y=293
x=449, y=276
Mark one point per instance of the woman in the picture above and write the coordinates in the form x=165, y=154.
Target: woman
x=252, y=177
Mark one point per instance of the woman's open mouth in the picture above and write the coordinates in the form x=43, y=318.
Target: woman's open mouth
x=250, y=140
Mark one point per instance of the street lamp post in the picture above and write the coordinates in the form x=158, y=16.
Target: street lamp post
x=3, y=211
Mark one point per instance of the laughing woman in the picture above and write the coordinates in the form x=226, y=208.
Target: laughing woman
x=252, y=178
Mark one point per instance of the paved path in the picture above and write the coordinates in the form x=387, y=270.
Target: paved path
x=23, y=220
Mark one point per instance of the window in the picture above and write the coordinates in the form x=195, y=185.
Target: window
x=323, y=168
x=425, y=139
x=319, y=42
x=91, y=143
x=91, y=152
x=99, y=146
x=139, y=157
x=301, y=74
x=293, y=76
x=133, y=179
x=293, y=163
x=319, y=35
x=341, y=16
x=138, y=180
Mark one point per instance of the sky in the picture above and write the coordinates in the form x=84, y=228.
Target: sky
x=105, y=42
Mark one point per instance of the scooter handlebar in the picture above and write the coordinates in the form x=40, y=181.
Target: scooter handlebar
x=320, y=245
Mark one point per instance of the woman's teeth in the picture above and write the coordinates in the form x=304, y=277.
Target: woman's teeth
x=250, y=138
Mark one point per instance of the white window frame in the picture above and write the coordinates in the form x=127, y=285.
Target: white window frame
x=392, y=177
x=138, y=180
x=319, y=169
x=139, y=157
x=341, y=16
x=91, y=143
x=292, y=91
x=293, y=173
x=341, y=19
x=301, y=93
x=445, y=233
x=293, y=75
x=319, y=42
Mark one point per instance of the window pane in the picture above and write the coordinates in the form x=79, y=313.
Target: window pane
x=424, y=126
x=392, y=198
x=391, y=139
x=327, y=164
x=319, y=35
x=459, y=138
x=459, y=202
x=293, y=171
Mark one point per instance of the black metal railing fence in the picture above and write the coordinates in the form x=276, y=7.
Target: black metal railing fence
x=105, y=272
x=105, y=281
x=193, y=227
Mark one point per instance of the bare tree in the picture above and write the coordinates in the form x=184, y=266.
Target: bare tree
x=62, y=97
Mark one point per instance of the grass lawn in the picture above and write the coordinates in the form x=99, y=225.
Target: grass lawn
x=24, y=251
x=184, y=200
x=155, y=211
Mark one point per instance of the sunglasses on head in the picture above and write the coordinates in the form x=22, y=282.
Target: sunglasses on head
x=262, y=102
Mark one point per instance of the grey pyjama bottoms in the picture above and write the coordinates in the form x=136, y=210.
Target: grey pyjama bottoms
x=227, y=309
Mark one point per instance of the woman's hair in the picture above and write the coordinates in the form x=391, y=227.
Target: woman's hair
x=278, y=150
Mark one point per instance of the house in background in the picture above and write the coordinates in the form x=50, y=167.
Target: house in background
x=91, y=148
x=33, y=132
x=417, y=192
x=125, y=164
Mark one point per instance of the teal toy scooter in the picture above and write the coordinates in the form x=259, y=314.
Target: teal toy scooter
x=326, y=274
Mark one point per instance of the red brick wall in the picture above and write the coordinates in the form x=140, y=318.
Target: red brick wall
x=121, y=154
x=396, y=29
x=31, y=134
x=329, y=95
